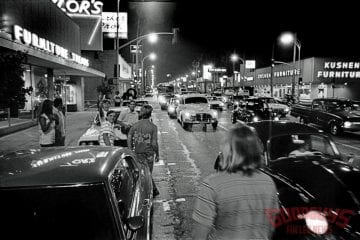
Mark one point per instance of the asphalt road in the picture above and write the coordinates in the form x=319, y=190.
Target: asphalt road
x=185, y=158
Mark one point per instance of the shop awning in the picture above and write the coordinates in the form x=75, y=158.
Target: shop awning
x=60, y=65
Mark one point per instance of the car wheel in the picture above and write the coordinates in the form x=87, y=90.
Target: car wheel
x=335, y=129
x=214, y=125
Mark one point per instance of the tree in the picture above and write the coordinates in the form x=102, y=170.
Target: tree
x=12, y=91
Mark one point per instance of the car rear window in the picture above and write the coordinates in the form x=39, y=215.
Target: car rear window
x=57, y=213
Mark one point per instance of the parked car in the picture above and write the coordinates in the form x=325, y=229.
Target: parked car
x=318, y=191
x=333, y=114
x=194, y=109
x=255, y=109
x=237, y=100
x=216, y=103
x=75, y=193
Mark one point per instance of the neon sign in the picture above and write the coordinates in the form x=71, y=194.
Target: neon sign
x=80, y=7
x=32, y=39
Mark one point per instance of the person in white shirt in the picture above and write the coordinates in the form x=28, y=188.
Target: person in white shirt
x=102, y=113
x=106, y=136
x=126, y=119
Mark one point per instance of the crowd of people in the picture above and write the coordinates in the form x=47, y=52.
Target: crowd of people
x=231, y=202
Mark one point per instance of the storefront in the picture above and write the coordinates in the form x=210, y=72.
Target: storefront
x=313, y=78
x=50, y=39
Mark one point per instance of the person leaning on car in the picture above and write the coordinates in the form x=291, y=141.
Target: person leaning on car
x=106, y=136
x=232, y=203
x=102, y=111
x=126, y=119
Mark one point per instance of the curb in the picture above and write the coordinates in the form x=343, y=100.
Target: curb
x=15, y=128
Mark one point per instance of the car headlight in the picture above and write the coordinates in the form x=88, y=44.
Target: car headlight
x=347, y=124
x=187, y=115
x=162, y=99
x=236, y=103
x=276, y=118
x=316, y=222
x=255, y=119
x=171, y=109
x=221, y=104
x=287, y=110
x=214, y=114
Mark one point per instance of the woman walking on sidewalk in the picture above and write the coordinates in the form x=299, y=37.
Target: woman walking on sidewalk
x=46, y=122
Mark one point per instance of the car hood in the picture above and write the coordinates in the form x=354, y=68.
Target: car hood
x=277, y=106
x=91, y=132
x=348, y=114
x=331, y=183
x=196, y=107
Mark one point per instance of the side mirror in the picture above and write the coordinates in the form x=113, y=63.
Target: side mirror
x=135, y=223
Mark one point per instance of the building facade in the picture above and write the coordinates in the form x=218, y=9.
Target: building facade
x=313, y=77
x=55, y=66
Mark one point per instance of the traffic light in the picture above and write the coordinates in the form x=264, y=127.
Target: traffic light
x=175, y=33
x=300, y=80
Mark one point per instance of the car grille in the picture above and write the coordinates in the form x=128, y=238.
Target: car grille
x=203, y=117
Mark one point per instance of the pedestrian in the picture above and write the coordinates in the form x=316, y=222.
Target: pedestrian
x=46, y=121
x=60, y=126
x=127, y=118
x=142, y=138
x=117, y=99
x=104, y=107
x=106, y=136
x=232, y=203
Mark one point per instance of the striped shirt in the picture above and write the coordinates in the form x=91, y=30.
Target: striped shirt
x=234, y=205
x=106, y=127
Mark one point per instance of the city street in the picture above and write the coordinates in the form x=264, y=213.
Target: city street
x=185, y=158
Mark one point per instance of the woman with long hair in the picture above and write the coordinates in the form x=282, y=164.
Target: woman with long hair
x=232, y=203
x=46, y=121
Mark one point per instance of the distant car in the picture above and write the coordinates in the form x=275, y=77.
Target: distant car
x=164, y=100
x=173, y=104
x=216, y=103
x=194, y=109
x=75, y=193
x=276, y=107
x=237, y=100
x=254, y=110
x=318, y=191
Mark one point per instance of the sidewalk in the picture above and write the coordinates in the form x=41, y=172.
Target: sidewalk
x=16, y=124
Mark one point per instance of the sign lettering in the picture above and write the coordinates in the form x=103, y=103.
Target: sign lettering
x=80, y=7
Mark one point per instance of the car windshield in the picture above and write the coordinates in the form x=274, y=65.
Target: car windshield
x=341, y=106
x=301, y=145
x=195, y=100
x=57, y=213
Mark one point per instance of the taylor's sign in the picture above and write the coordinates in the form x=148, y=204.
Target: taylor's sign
x=340, y=70
x=32, y=39
x=80, y=7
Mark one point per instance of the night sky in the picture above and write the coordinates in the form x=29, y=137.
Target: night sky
x=211, y=30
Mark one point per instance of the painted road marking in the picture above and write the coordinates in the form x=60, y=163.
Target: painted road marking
x=221, y=126
x=171, y=164
x=164, y=132
x=349, y=146
x=169, y=200
x=160, y=163
x=166, y=206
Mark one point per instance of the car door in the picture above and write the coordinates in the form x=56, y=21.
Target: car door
x=322, y=116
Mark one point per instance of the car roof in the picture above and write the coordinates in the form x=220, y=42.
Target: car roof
x=58, y=166
x=269, y=129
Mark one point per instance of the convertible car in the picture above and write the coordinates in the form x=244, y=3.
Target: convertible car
x=318, y=191
x=75, y=193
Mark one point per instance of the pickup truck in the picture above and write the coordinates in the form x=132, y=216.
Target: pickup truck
x=335, y=115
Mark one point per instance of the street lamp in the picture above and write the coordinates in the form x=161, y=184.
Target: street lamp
x=152, y=57
x=234, y=58
x=287, y=39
